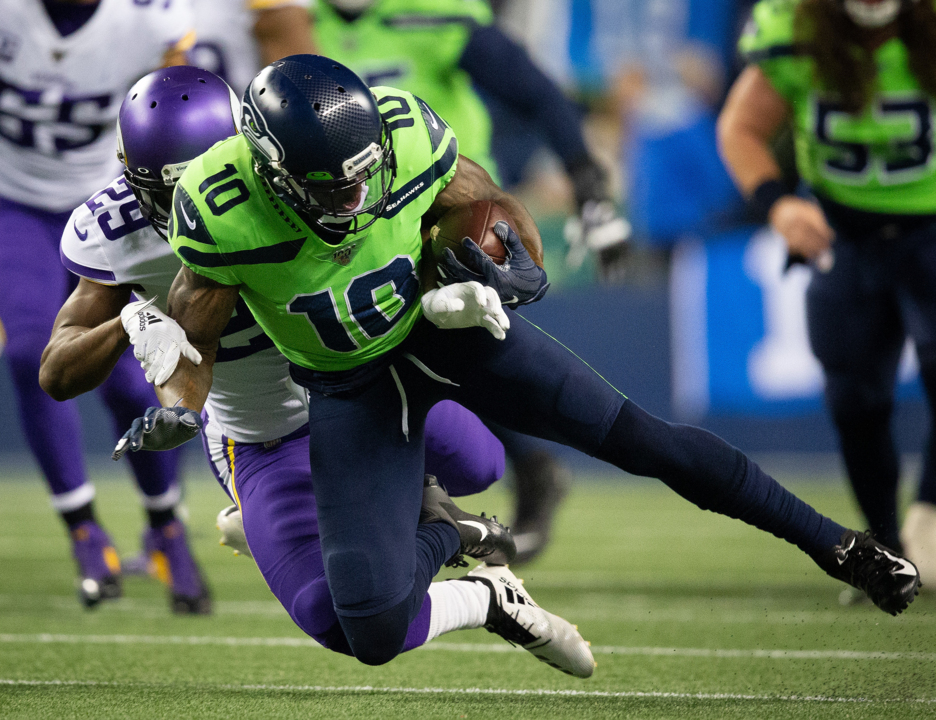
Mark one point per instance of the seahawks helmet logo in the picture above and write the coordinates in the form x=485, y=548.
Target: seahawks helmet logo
x=254, y=127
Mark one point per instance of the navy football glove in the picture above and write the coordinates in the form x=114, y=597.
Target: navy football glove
x=161, y=428
x=518, y=281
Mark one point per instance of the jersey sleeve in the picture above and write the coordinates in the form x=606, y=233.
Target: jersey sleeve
x=190, y=238
x=768, y=42
x=82, y=251
x=425, y=147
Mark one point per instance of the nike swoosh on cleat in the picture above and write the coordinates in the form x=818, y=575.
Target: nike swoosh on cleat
x=906, y=568
x=472, y=523
x=188, y=222
x=512, y=300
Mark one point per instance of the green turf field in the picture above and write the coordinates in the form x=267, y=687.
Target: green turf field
x=691, y=615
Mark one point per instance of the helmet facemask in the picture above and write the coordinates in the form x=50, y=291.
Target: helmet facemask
x=154, y=194
x=331, y=203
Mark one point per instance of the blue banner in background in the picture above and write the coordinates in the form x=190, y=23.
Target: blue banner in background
x=739, y=339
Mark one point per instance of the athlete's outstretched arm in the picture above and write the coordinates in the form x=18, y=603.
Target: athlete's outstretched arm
x=87, y=340
x=202, y=307
x=471, y=182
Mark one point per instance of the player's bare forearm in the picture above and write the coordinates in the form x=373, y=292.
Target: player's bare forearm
x=281, y=32
x=202, y=307
x=752, y=115
x=87, y=340
x=472, y=182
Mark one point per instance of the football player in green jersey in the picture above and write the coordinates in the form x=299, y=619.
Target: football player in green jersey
x=313, y=216
x=857, y=81
x=443, y=51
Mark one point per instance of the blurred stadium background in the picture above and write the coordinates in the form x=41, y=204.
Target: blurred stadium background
x=698, y=323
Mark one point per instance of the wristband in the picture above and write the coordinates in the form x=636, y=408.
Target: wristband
x=764, y=197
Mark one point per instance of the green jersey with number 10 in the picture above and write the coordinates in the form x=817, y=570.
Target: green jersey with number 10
x=879, y=161
x=326, y=307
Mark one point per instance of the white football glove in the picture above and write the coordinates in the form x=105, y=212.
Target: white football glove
x=466, y=304
x=157, y=339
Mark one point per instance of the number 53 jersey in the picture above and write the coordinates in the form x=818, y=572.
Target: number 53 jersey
x=252, y=398
x=59, y=96
x=880, y=160
x=328, y=307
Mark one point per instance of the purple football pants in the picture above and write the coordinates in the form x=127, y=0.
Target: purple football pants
x=274, y=489
x=33, y=286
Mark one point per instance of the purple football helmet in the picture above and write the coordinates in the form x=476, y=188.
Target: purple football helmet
x=169, y=118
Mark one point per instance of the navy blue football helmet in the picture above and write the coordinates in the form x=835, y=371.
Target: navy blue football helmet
x=170, y=117
x=317, y=136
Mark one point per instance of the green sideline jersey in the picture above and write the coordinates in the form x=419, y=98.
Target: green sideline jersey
x=416, y=45
x=326, y=307
x=881, y=161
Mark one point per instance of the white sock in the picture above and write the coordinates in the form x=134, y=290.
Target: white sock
x=457, y=605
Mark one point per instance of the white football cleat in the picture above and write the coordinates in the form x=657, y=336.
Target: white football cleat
x=514, y=616
x=231, y=525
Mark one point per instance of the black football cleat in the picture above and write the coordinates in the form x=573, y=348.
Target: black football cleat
x=482, y=538
x=889, y=580
x=541, y=485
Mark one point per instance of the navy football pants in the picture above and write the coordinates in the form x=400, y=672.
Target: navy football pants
x=878, y=293
x=367, y=462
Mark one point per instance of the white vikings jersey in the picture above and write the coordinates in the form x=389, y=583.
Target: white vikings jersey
x=59, y=96
x=226, y=44
x=252, y=398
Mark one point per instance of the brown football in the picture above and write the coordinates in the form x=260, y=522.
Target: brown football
x=474, y=220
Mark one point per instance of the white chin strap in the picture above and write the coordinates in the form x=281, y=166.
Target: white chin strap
x=872, y=15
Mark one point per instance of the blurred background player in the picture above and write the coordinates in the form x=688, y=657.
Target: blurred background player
x=447, y=52
x=450, y=53
x=856, y=79
x=236, y=38
x=64, y=69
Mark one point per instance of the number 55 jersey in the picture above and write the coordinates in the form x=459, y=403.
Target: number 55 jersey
x=880, y=160
x=59, y=95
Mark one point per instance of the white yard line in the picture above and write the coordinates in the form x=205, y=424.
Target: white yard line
x=51, y=638
x=369, y=689
x=630, y=609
